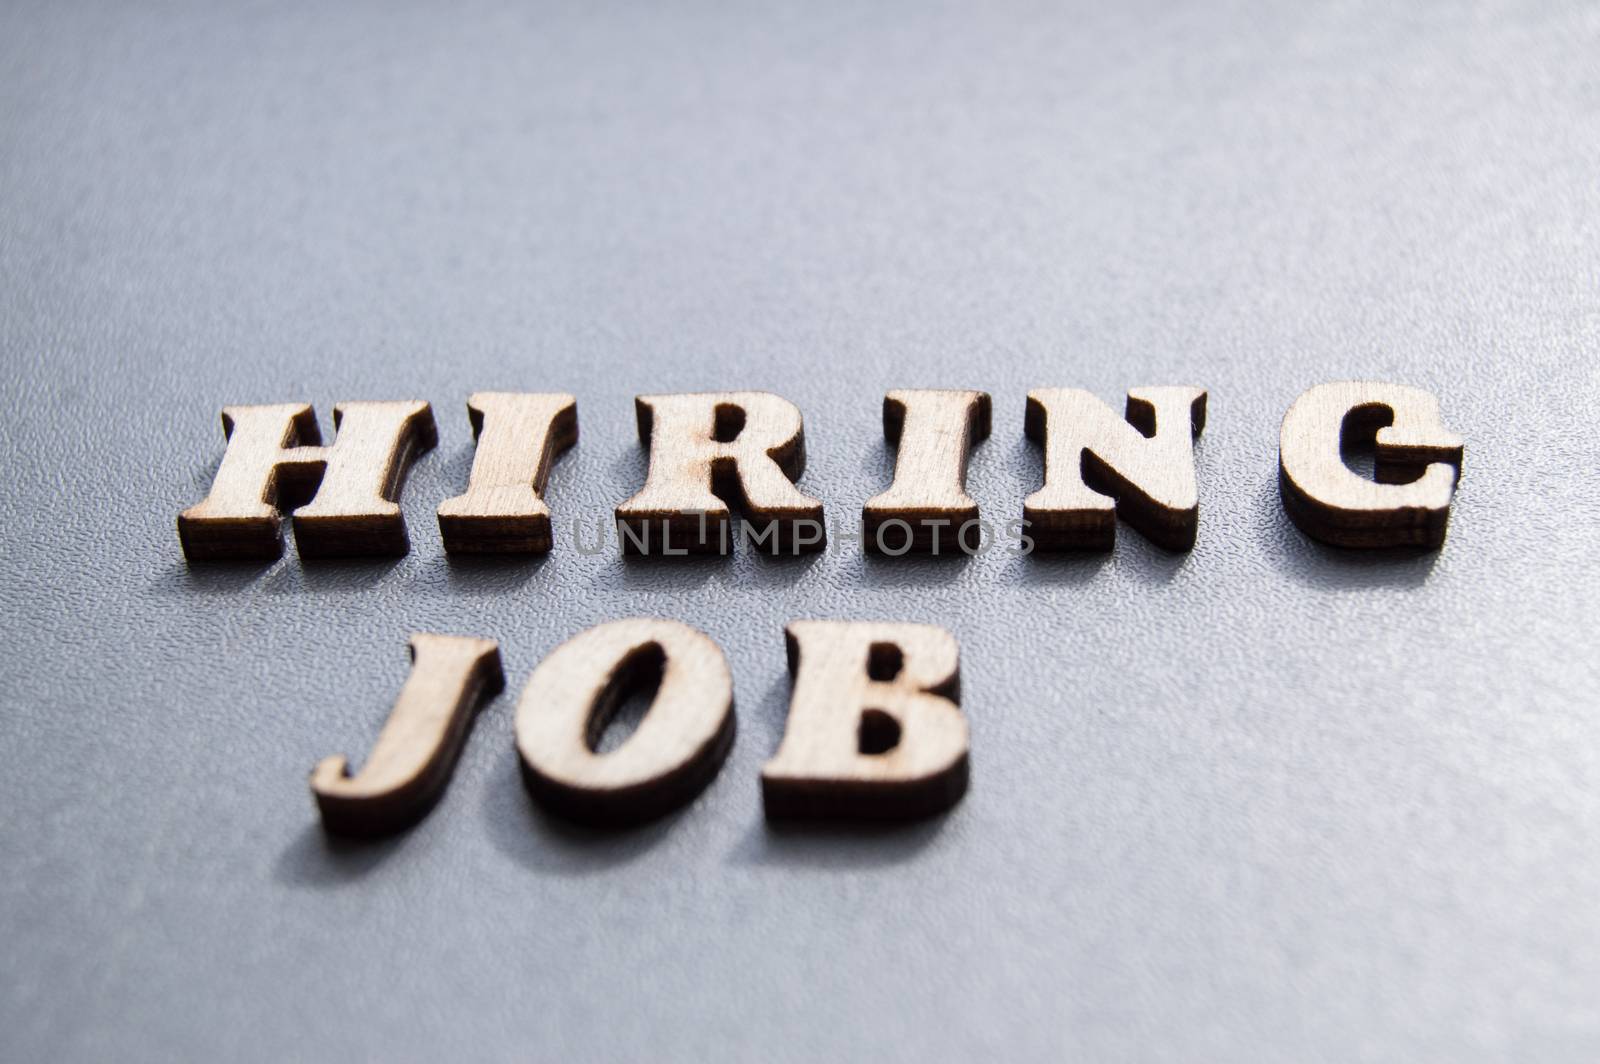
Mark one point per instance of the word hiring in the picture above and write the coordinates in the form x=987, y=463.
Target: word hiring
x=874, y=730
x=749, y=447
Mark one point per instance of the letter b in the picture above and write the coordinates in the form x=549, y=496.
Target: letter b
x=874, y=729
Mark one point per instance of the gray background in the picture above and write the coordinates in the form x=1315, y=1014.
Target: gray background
x=1264, y=800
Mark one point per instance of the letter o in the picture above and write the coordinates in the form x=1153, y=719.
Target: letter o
x=674, y=753
x=905, y=546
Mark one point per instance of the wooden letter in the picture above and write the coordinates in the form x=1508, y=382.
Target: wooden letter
x=934, y=429
x=1417, y=461
x=744, y=446
x=274, y=456
x=519, y=436
x=671, y=756
x=874, y=729
x=417, y=750
x=1098, y=467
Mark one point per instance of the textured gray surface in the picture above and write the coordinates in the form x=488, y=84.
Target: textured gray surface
x=1265, y=800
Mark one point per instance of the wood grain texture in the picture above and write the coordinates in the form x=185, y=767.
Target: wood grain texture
x=412, y=761
x=934, y=431
x=520, y=435
x=1417, y=462
x=707, y=450
x=1099, y=467
x=875, y=730
x=349, y=489
x=672, y=755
